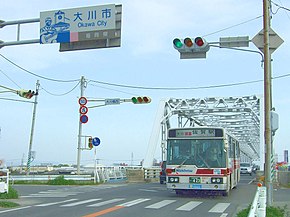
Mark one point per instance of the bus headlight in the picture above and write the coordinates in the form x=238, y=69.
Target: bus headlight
x=173, y=179
x=216, y=180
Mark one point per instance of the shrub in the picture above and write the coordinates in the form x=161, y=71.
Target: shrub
x=12, y=194
x=270, y=212
x=8, y=204
x=60, y=180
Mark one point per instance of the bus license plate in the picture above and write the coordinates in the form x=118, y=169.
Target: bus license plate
x=194, y=180
x=194, y=186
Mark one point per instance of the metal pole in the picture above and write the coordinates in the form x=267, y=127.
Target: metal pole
x=32, y=129
x=95, y=166
x=80, y=129
x=267, y=103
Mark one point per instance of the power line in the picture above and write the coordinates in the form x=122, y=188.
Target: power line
x=247, y=21
x=186, y=88
x=279, y=7
x=107, y=88
x=39, y=76
x=10, y=79
x=63, y=94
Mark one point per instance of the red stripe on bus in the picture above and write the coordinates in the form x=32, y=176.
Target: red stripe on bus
x=204, y=171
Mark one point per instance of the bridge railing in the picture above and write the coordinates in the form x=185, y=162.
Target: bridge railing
x=258, y=207
x=152, y=174
x=100, y=174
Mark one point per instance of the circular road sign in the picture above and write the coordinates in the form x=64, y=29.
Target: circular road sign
x=83, y=110
x=84, y=119
x=83, y=100
x=96, y=141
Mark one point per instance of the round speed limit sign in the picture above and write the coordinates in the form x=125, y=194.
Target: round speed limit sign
x=83, y=100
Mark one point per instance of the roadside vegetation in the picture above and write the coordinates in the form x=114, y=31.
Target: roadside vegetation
x=12, y=194
x=270, y=212
x=60, y=180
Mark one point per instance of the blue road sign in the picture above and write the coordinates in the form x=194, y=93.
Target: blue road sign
x=96, y=141
x=66, y=25
x=84, y=119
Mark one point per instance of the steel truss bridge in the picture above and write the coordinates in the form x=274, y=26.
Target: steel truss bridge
x=241, y=116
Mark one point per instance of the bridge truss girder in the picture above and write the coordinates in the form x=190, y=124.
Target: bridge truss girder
x=239, y=115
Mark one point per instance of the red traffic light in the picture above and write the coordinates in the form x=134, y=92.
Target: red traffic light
x=90, y=141
x=199, y=41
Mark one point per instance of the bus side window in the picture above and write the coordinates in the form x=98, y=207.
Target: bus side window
x=231, y=148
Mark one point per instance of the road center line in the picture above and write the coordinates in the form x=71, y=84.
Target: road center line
x=105, y=211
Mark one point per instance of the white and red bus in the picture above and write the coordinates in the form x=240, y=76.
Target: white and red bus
x=202, y=159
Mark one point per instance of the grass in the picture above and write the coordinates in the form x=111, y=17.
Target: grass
x=270, y=212
x=8, y=204
x=60, y=180
x=12, y=194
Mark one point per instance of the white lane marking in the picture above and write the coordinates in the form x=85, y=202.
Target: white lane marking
x=219, y=207
x=134, y=202
x=189, y=206
x=54, y=203
x=149, y=190
x=47, y=195
x=106, y=202
x=160, y=204
x=14, y=209
x=80, y=202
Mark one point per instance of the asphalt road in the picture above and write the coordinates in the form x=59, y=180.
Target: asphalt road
x=126, y=199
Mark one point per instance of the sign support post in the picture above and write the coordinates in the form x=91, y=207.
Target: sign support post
x=80, y=129
x=267, y=103
x=32, y=130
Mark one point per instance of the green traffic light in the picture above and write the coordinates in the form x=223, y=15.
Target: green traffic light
x=177, y=43
x=134, y=100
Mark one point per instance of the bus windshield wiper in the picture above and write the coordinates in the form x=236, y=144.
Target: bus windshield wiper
x=183, y=162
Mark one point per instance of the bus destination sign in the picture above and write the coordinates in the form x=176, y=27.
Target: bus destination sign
x=196, y=132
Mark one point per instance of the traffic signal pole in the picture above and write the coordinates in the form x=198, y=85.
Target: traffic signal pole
x=32, y=130
x=80, y=129
x=267, y=102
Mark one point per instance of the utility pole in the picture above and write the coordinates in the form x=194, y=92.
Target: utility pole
x=267, y=102
x=32, y=129
x=80, y=129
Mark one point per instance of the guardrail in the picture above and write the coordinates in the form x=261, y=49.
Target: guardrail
x=152, y=173
x=258, y=207
x=100, y=174
x=49, y=177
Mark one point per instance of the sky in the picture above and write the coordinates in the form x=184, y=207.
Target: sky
x=146, y=58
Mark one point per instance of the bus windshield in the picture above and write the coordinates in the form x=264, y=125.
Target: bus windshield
x=203, y=153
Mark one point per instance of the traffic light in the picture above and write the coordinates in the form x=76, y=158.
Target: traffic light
x=27, y=93
x=90, y=143
x=191, y=48
x=141, y=99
